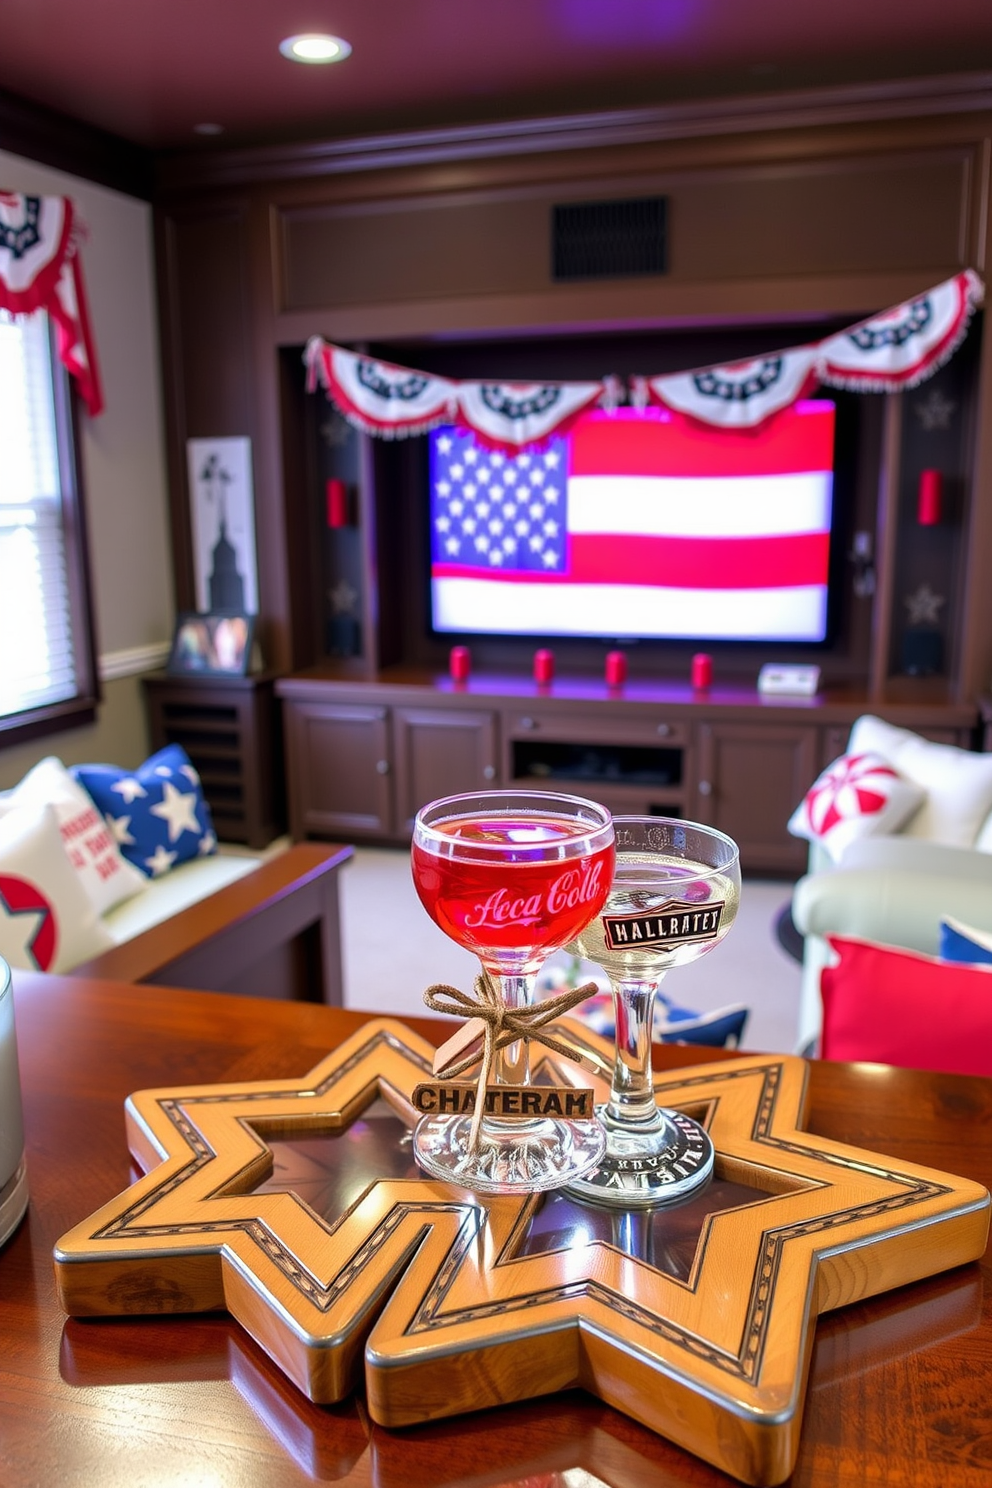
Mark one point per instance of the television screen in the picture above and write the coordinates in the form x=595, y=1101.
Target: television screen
x=637, y=524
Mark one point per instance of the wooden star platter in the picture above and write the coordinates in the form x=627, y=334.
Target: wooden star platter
x=295, y=1205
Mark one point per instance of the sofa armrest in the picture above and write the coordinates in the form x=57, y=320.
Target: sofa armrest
x=897, y=906
x=274, y=933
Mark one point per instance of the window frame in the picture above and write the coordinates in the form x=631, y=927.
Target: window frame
x=79, y=710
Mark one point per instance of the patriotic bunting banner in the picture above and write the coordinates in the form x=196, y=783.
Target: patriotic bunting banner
x=899, y=348
x=380, y=398
x=40, y=269
x=740, y=395
x=903, y=346
x=392, y=401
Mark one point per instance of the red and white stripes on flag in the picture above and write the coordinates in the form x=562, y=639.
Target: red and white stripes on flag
x=671, y=532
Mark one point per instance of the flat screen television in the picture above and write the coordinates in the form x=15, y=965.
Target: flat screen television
x=637, y=525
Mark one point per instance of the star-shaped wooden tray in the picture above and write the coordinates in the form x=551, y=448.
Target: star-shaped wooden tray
x=296, y=1205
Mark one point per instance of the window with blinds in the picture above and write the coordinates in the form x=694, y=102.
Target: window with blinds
x=44, y=657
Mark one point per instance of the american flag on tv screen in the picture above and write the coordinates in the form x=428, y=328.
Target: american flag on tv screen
x=637, y=523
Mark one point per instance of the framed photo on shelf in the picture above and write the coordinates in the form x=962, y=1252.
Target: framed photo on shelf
x=211, y=646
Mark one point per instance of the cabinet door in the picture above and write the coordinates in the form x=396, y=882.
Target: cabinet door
x=750, y=778
x=338, y=770
x=439, y=752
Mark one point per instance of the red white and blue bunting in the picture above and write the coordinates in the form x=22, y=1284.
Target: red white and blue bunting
x=40, y=269
x=391, y=401
x=896, y=349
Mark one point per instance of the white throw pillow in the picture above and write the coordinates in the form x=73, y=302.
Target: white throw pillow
x=857, y=796
x=47, y=922
x=105, y=874
x=958, y=782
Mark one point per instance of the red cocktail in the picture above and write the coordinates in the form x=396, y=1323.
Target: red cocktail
x=509, y=888
x=512, y=876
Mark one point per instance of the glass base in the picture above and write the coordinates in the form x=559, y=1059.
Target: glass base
x=13, y=1201
x=647, y=1164
x=512, y=1157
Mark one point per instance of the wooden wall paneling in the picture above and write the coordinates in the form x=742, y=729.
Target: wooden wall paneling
x=300, y=417
x=207, y=350
x=279, y=620
x=975, y=666
x=885, y=545
x=825, y=216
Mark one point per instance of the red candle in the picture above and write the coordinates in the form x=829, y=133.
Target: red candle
x=929, y=503
x=702, y=670
x=460, y=663
x=544, y=667
x=337, y=503
x=616, y=668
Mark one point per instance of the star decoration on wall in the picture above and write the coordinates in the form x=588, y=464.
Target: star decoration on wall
x=432, y=1294
x=934, y=411
x=343, y=597
x=924, y=606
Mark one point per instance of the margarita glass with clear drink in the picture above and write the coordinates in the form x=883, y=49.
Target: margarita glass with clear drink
x=674, y=896
x=511, y=876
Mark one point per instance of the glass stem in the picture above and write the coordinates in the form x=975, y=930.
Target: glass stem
x=512, y=1064
x=632, y=1098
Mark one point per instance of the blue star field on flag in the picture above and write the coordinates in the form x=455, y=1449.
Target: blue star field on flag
x=495, y=510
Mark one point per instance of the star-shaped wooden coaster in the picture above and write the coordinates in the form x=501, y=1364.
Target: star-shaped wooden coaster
x=698, y=1321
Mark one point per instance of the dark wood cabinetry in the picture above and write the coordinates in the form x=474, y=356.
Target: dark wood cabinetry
x=338, y=784
x=751, y=777
x=440, y=752
x=229, y=728
x=363, y=757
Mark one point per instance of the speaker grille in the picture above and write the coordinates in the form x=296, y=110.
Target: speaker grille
x=609, y=239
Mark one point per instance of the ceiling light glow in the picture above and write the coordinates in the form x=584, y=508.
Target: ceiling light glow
x=315, y=48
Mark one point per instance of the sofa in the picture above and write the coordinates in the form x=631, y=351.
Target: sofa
x=894, y=873
x=99, y=884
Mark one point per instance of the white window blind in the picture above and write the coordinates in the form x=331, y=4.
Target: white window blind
x=37, y=660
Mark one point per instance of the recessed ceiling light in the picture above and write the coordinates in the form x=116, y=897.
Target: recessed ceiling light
x=315, y=48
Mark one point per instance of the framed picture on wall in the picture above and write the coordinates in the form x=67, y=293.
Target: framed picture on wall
x=211, y=646
x=222, y=518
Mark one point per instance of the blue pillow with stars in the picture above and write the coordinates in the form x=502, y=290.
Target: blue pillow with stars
x=157, y=814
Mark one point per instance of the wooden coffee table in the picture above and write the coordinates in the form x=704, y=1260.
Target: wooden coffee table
x=898, y=1389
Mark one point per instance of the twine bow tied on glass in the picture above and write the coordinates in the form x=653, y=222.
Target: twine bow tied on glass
x=498, y=1026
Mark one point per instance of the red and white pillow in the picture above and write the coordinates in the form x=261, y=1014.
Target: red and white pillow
x=957, y=782
x=104, y=873
x=47, y=922
x=857, y=796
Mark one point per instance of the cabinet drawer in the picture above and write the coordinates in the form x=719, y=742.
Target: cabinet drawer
x=591, y=728
x=595, y=757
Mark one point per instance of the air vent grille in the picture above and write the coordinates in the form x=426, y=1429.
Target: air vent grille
x=609, y=239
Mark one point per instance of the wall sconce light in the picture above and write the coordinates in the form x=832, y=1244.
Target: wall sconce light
x=930, y=499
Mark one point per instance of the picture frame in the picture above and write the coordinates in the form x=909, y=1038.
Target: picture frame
x=206, y=645
x=222, y=522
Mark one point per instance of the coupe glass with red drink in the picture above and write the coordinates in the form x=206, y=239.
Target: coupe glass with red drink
x=512, y=876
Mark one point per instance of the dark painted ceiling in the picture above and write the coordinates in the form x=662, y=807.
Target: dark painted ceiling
x=152, y=70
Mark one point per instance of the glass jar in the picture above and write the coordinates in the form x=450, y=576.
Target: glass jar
x=13, y=1173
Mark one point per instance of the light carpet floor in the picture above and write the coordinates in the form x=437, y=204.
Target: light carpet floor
x=392, y=951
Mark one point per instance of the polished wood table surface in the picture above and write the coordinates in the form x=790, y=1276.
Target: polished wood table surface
x=899, y=1390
